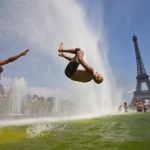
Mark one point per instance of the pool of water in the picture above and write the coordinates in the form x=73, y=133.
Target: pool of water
x=118, y=132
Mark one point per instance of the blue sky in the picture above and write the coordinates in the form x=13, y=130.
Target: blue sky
x=120, y=19
x=125, y=18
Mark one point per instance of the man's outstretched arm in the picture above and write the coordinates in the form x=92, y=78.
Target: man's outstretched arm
x=13, y=58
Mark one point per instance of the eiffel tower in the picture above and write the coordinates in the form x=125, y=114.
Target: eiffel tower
x=142, y=77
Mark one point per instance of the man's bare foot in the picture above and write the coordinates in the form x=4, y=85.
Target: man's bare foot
x=60, y=48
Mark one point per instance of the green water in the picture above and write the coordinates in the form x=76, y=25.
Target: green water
x=121, y=132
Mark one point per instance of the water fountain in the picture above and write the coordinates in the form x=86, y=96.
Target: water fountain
x=17, y=96
x=41, y=26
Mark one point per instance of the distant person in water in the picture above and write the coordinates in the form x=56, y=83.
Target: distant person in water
x=139, y=107
x=120, y=108
x=72, y=71
x=144, y=106
x=125, y=107
x=11, y=59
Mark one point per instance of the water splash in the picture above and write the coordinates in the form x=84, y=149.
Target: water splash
x=41, y=129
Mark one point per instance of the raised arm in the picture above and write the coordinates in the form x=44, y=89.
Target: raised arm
x=13, y=58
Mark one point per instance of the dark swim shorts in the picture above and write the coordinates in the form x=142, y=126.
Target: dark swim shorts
x=71, y=68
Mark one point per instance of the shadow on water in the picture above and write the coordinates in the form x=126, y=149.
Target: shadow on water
x=118, y=132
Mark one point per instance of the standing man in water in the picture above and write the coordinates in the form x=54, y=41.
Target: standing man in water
x=11, y=59
x=72, y=71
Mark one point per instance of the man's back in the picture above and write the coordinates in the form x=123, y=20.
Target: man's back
x=81, y=76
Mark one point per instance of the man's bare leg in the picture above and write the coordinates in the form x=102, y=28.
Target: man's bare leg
x=61, y=49
x=78, y=57
x=64, y=56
